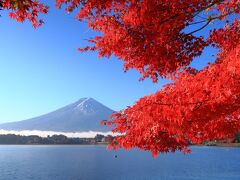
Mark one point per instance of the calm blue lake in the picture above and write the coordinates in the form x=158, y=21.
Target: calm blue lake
x=95, y=162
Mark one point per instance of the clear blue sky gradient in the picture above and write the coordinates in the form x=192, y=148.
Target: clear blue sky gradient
x=41, y=69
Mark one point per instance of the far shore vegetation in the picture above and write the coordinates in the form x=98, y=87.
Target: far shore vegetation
x=51, y=140
x=98, y=139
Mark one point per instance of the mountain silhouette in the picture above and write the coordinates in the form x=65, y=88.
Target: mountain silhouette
x=83, y=115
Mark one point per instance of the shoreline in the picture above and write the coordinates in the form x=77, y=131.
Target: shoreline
x=234, y=145
x=228, y=144
x=53, y=145
x=219, y=145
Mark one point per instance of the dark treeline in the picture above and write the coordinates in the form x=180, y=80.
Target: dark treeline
x=55, y=139
x=235, y=141
x=98, y=139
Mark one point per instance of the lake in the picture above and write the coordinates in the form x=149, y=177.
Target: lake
x=37, y=162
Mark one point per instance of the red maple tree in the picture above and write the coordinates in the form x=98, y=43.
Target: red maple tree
x=152, y=37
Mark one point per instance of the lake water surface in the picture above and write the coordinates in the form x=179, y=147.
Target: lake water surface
x=95, y=162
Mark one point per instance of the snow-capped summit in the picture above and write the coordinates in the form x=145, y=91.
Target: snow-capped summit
x=82, y=115
x=83, y=102
x=89, y=105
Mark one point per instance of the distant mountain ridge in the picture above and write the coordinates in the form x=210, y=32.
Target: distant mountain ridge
x=82, y=115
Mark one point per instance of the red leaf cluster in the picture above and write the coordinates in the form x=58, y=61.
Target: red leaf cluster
x=191, y=109
x=148, y=35
x=25, y=9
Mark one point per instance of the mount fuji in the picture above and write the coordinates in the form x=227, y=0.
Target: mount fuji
x=83, y=115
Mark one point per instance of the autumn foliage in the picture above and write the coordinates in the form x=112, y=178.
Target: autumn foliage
x=160, y=39
x=25, y=9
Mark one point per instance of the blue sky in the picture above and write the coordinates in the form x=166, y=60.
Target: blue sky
x=41, y=69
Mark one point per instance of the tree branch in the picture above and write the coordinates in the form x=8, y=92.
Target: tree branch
x=208, y=22
x=210, y=19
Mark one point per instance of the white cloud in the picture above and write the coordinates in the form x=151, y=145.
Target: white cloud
x=89, y=134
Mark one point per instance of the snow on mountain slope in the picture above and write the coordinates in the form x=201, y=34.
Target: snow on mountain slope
x=83, y=115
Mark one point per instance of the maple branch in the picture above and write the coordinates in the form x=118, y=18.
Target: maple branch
x=197, y=12
x=201, y=17
x=1, y=6
x=210, y=19
x=198, y=22
x=210, y=5
x=208, y=22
